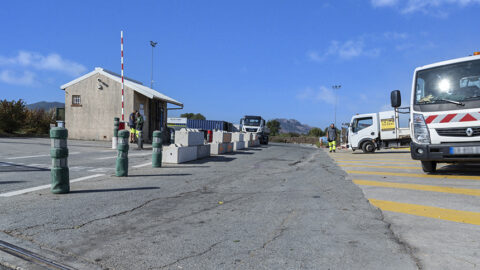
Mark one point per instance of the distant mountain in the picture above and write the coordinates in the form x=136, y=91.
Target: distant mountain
x=45, y=105
x=292, y=125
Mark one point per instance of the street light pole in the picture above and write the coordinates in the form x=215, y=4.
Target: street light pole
x=336, y=87
x=153, y=44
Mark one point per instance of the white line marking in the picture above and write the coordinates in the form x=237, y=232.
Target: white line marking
x=100, y=170
x=142, y=165
x=22, y=191
x=130, y=155
x=73, y=153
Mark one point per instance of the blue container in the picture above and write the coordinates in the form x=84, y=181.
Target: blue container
x=208, y=125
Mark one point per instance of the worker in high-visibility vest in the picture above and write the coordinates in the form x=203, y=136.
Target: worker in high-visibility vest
x=139, y=126
x=332, y=137
x=132, y=122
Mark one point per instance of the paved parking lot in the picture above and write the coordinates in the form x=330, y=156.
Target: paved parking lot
x=437, y=216
x=25, y=162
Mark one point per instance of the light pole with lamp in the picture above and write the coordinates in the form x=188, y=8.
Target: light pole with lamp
x=153, y=44
x=336, y=87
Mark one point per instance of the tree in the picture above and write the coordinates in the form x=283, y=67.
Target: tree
x=38, y=121
x=193, y=116
x=274, y=127
x=12, y=115
x=316, y=132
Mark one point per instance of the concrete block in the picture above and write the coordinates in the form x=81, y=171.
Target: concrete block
x=248, y=136
x=222, y=137
x=203, y=151
x=238, y=145
x=229, y=147
x=179, y=154
x=218, y=148
x=238, y=137
x=188, y=138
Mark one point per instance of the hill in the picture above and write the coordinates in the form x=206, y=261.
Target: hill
x=45, y=105
x=292, y=125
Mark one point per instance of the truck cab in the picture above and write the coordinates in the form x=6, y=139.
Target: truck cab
x=255, y=124
x=445, y=112
x=372, y=131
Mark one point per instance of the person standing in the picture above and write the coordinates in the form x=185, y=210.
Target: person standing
x=132, y=124
x=139, y=126
x=332, y=137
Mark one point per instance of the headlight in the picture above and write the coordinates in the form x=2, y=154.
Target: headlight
x=420, y=130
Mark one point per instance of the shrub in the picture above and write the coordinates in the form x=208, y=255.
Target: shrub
x=38, y=121
x=12, y=115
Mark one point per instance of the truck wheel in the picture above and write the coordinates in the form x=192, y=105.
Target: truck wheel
x=429, y=166
x=368, y=147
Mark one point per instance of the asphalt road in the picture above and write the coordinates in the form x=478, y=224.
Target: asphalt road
x=438, y=216
x=274, y=207
x=25, y=162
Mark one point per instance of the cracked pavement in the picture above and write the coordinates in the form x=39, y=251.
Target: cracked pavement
x=274, y=207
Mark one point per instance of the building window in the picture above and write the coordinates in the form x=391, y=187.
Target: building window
x=76, y=100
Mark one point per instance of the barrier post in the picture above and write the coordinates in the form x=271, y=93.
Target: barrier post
x=121, y=166
x=157, y=149
x=116, y=124
x=59, y=153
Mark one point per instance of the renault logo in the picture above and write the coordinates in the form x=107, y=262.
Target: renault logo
x=469, y=132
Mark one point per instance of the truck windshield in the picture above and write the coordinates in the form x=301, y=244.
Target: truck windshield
x=252, y=121
x=456, y=83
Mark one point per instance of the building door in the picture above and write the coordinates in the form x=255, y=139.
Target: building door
x=154, y=119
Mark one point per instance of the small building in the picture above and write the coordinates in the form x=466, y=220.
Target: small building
x=94, y=99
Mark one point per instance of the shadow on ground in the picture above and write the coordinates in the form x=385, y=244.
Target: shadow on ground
x=112, y=190
x=12, y=167
x=11, y=182
x=165, y=174
x=386, y=152
x=211, y=159
x=467, y=169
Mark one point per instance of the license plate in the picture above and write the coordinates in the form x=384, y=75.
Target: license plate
x=465, y=150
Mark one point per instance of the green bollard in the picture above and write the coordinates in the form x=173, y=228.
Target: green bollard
x=59, y=153
x=121, y=166
x=157, y=149
x=116, y=124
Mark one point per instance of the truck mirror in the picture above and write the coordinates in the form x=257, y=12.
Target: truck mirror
x=396, y=99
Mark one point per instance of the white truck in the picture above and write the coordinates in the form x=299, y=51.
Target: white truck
x=372, y=131
x=445, y=112
x=255, y=124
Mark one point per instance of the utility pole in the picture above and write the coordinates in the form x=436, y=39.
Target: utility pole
x=336, y=87
x=153, y=44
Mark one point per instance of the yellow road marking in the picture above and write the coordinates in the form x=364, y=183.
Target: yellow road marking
x=380, y=166
x=379, y=162
x=373, y=159
x=458, y=177
x=452, y=190
x=428, y=211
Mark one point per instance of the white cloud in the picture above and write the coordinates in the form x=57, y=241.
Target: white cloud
x=383, y=3
x=26, y=78
x=434, y=7
x=395, y=35
x=314, y=56
x=344, y=50
x=320, y=94
x=38, y=61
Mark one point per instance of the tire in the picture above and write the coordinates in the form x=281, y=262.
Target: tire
x=429, y=166
x=368, y=147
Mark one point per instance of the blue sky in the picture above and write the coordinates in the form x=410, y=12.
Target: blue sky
x=226, y=59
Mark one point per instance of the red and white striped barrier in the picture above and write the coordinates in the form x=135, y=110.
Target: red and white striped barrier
x=453, y=117
x=121, y=48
